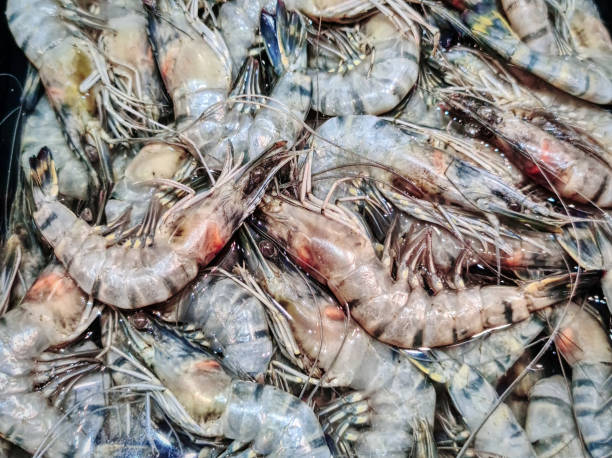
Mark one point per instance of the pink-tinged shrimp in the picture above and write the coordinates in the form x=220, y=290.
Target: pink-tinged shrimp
x=135, y=275
x=341, y=256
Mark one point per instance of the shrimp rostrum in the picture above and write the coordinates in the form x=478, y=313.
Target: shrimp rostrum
x=131, y=275
x=399, y=312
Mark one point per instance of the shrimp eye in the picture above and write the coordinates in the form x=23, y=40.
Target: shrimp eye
x=140, y=321
x=267, y=248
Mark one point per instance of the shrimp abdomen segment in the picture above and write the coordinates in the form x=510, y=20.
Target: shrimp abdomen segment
x=274, y=421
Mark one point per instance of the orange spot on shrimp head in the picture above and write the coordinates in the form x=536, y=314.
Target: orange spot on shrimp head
x=334, y=313
x=48, y=285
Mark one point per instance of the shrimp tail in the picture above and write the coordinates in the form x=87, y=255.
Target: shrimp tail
x=580, y=242
x=11, y=259
x=44, y=176
x=557, y=288
x=284, y=34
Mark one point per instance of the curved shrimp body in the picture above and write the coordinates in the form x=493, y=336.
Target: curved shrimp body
x=282, y=116
x=53, y=312
x=42, y=128
x=131, y=276
x=379, y=82
x=374, y=146
x=347, y=356
x=331, y=10
x=64, y=60
x=592, y=82
x=194, y=67
x=233, y=320
x=269, y=420
x=153, y=161
x=474, y=397
x=125, y=44
x=239, y=23
x=343, y=258
x=537, y=32
x=550, y=423
x=583, y=343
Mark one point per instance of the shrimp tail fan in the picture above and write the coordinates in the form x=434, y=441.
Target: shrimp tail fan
x=580, y=242
x=44, y=176
x=284, y=34
x=556, y=288
x=9, y=267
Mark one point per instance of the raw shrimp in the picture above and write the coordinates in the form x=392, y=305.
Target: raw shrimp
x=196, y=69
x=126, y=47
x=550, y=421
x=473, y=397
x=341, y=256
x=537, y=32
x=583, y=343
x=65, y=59
x=53, y=312
x=42, y=128
x=259, y=417
x=545, y=157
x=239, y=23
x=378, y=80
x=191, y=234
x=376, y=147
x=229, y=317
x=331, y=343
x=580, y=77
x=134, y=189
x=331, y=10
x=282, y=117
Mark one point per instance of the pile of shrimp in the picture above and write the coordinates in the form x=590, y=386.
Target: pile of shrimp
x=308, y=228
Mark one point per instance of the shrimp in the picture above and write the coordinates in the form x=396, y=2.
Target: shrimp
x=473, y=397
x=374, y=83
x=550, y=421
x=226, y=315
x=133, y=190
x=65, y=59
x=53, y=312
x=191, y=234
x=390, y=155
x=537, y=32
x=196, y=69
x=239, y=23
x=263, y=418
x=341, y=256
x=42, y=128
x=583, y=343
x=347, y=357
x=126, y=47
x=580, y=77
x=281, y=119
x=545, y=158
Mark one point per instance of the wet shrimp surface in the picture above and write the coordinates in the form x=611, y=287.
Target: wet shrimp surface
x=306, y=228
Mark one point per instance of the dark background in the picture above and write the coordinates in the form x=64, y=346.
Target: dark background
x=12, y=62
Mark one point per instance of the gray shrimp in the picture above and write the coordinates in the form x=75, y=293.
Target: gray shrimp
x=334, y=347
x=474, y=396
x=376, y=147
x=42, y=128
x=239, y=24
x=190, y=234
x=231, y=319
x=374, y=82
x=281, y=118
x=258, y=417
x=401, y=313
x=537, y=32
x=550, y=422
x=53, y=312
x=583, y=343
